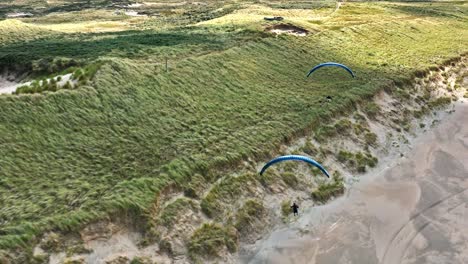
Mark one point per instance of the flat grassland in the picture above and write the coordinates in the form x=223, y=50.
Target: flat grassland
x=232, y=91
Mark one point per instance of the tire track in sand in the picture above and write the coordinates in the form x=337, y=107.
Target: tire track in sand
x=394, y=243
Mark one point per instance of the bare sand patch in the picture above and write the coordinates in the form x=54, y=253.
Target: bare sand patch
x=134, y=14
x=287, y=29
x=19, y=15
x=110, y=243
x=7, y=86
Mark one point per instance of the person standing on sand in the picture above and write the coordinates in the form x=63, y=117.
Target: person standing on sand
x=295, y=208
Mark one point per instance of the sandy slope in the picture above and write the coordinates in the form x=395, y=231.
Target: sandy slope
x=412, y=211
x=6, y=86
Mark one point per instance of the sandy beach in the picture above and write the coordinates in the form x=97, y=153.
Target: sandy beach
x=413, y=210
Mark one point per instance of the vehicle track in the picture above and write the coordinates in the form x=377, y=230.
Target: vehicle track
x=413, y=219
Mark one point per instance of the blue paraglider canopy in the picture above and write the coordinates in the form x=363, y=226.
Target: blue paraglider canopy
x=331, y=64
x=295, y=157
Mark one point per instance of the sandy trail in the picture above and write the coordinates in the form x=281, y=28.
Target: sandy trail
x=413, y=211
x=6, y=86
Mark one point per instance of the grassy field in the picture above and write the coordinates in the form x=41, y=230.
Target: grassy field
x=232, y=91
x=145, y=45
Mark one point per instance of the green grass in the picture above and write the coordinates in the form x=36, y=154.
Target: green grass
x=173, y=211
x=225, y=193
x=325, y=132
x=13, y=31
x=344, y=127
x=402, y=94
x=75, y=261
x=42, y=7
x=325, y=4
x=309, y=148
x=286, y=208
x=140, y=260
x=371, y=110
x=370, y=138
x=421, y=112
x=358, y=161
x=196, y=186
x=80, y=77
x=326, y=191
x=439, y=102
x=59, y=51
x=249, y=216
x=210, y=239
x=290, y=179
x=74, y=156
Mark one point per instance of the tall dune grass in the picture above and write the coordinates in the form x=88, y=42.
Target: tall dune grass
x=71, y=157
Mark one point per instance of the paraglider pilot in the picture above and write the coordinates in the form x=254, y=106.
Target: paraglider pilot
x=295, y=208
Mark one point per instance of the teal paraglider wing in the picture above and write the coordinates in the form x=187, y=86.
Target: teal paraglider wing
x=295, y=157
x=331, y=64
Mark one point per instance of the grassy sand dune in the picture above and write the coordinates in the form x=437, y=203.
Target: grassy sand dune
x=232, y=92
x=13, y=30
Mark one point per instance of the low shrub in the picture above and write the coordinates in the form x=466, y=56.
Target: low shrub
x=371, y=110
x=309, y=148
x=290, y=179
x=325, y=132
x=370, y=138
x=246, y=217
x=286, y=208
x=439, y=102
x=357, y=161
x=343, y=127
x=326, y=191
x=174, y=210
x=210, y=239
